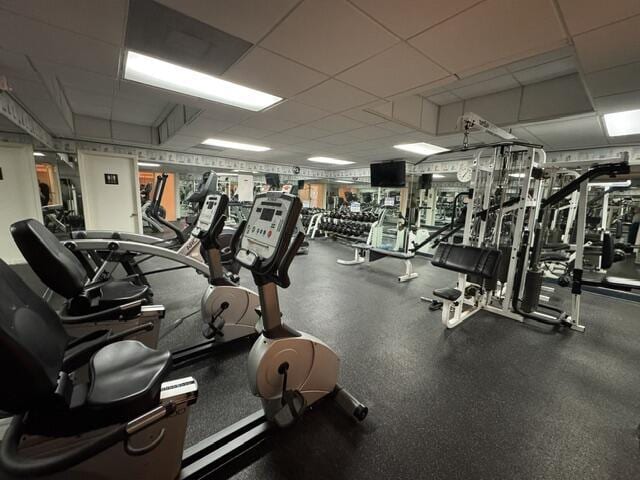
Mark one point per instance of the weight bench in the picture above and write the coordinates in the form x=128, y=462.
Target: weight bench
x=480, y=264
x=364, y=252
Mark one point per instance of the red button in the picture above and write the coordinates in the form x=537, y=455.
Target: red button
x=269, y=233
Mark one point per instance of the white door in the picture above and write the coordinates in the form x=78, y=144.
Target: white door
x=110, y=192
x=19, y=195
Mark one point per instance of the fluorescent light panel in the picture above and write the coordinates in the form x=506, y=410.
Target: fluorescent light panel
x=329, y=160
x=437, y=175
x=148, y=164
x=158, y=73
x=235, y=145
x=344, y=181
x=517, y=175
x=421, y=148
x=38, y=154
x=623, y=123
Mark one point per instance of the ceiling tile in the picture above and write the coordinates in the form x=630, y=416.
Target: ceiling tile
x=16, y=65
x=370, y=132
x=393, y=71
x=139, y=114
x=328, y=35
x=183, y=141
x=546, y=71
x=618, y=103
x=22, y=35
x=203, y=127
x=89, y=103
x=505, y=82
x=246, y=132
x=272, y=73
x=523, y=134
x=337, y=124
x=295, y=112
x=81, y=79
x=247, y=19
x=396, y=127
x=407, y=17
x=494, y=30
x=569, y=133
x=614, y=80
x=583, y=15
x=443, y=98
x=284, y=139
x=334, y=96
x=609, y=46
x=535, y=60
x=341, y=139
x=308, y=132
x=270, y=124
x=226, y=113
x=364, y=117
x=97, y=19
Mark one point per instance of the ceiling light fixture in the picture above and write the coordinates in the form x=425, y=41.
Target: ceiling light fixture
x=169, y=76
x=517, y=175
x=622, y=123
x=235, y=145
x=38, y=154
x=344, y=181
x=148, y=164
x=421, y=148
x=437, y=175
x=329, y=160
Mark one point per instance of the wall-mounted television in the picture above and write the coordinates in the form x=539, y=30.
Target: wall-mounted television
x=272, y=179
x=388, y=174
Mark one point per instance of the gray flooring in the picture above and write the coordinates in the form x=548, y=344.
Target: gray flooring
x=491, y=399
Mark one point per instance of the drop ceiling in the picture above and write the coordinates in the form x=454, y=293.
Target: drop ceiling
x=334, y=62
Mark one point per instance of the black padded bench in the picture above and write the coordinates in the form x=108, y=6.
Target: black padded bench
x=479, y=262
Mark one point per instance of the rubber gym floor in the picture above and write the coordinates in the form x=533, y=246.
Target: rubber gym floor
x=490, y=399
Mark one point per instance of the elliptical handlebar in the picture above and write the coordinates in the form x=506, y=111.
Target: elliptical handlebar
x=282, y=274
x=237, y=235
x=210, y=240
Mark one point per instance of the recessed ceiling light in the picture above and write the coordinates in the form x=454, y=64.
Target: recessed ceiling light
x=517, y=175
x=329, y=160
x=622, y=123
x=38, y=154
x=148, y=164
x=169, y=76
x=235, y=145
x=344, y=181
x=421, y=148
x=437, y=175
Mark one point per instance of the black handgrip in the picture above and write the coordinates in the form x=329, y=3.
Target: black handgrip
x=211, y=240
x=235, y=240
x=14, y=464
x=283, y=269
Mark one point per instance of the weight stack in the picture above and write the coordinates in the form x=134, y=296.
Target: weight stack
x=532, y=288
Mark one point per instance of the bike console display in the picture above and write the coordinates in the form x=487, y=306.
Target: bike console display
x=213, y=208
x=268, y=231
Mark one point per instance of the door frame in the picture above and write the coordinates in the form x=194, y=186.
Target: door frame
x=86, y=204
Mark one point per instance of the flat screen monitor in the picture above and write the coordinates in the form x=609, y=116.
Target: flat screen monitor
x=272, y=179
x=388, y=174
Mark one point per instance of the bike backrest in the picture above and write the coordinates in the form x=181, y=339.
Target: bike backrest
x=55, y=265
x=32, y=344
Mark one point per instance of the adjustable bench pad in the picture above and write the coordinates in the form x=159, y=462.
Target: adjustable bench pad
x=478, y=261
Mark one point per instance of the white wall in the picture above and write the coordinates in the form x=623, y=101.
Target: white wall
x=245, y=188
x=19, y=195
